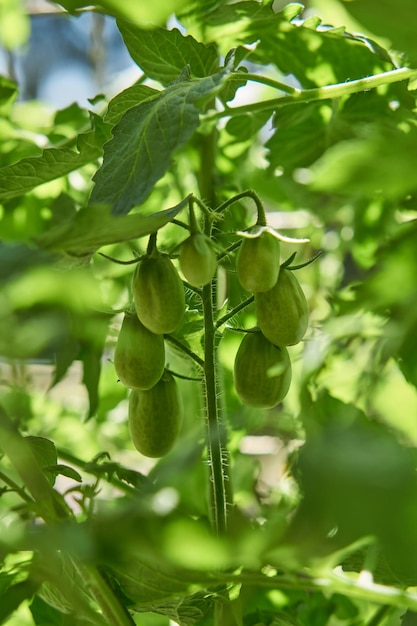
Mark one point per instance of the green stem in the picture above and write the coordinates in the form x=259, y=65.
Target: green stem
x=320, y=93
x=15, y=487
x=264, y=80
x=176, y=342
x=336, y=583
x=216, y=434
x=90, y=469
x=235, y=310
x=249, y=193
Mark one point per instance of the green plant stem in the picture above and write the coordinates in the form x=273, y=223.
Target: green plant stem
x=232, y=312
x=327, y=92
x=89, y=468
x=216, y=434
x=52, y=507
x=15, y=487
x=334, y=583
x=264, y=80
x=177, y=343
x=249, y=193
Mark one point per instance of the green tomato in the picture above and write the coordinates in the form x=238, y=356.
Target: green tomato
x=257, y=262
x=198, y=260
x=282, y=312
x=155, y=417
x=158, y=293
x=262, y=371
x=139, y=356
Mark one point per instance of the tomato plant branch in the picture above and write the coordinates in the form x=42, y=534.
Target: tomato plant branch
x=249, y=193
x=15, y=487
x=232, y=312
x=354, y=587
x=327, y=92
x=265, y=80
x=178, y=344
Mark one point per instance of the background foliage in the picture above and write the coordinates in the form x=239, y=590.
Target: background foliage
x=317, y=115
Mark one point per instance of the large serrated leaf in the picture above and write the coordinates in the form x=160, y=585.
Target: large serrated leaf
x=163, y=53
x=93, y=227
x=316, y=55
x=19, y=178
x=145, y=139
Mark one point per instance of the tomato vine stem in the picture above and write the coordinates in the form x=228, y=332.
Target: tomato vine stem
x=326, y=92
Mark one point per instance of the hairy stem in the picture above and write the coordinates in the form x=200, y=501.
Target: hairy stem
x=216, y=433
x=327, y=92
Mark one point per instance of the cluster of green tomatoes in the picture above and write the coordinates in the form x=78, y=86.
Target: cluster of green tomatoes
x=155, y=411
x=262, y=369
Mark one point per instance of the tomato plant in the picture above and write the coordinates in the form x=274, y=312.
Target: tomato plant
x=208, y=323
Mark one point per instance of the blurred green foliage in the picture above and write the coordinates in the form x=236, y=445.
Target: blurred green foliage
x=322, y=530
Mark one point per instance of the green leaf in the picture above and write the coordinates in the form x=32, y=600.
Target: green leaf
x=316, y=55
x=162, y=54
x=13, y=597
x=301, y=135
x=45, y=615
x=8, y=89
x=127, y=99
x=19, y=178
x=45, y=453
x=391, y=21
x=357, y=480
x=94, y=226
x=145, y=139
x=69, y=472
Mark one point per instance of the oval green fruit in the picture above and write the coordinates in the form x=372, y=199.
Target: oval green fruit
x=262, y=371
x=198, y=260
x=282, y=312
x=257, y=262
x=139, y=356
x=155, y=417
x=158, y=293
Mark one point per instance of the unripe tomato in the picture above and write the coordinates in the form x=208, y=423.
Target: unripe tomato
x=155, y=417
x=139, y=356
x=198, y=260
x=158, y=293
x=262, y=371
x=282, y=312
x=257, y=262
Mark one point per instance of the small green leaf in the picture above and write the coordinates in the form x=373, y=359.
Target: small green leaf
x=67, y=471
x=46, y=455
